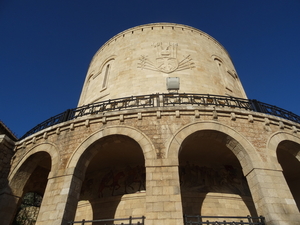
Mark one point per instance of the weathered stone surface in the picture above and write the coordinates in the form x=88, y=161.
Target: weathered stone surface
x=159, y=162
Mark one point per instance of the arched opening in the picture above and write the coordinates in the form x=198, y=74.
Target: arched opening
x=211, y=178
x=229, y=77
x=28, y=209
x=30, y=183
x=105, y=71
x=114, y=182
x=84, y=211
x=286, y=155
x=104, y=83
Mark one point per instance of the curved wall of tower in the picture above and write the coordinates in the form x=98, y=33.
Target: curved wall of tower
x=139, y=60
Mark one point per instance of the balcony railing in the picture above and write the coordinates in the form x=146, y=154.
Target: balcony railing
x=221, y=220
x=121, y=221
x=188, y=220
x=164, y=100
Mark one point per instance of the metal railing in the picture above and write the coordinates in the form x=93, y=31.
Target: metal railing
x=121, y=221
x=221, y=220
x=164, y=100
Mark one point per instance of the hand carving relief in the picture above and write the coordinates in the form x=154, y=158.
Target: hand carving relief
x=114, y=182
x=166, y=59
x=223, y=179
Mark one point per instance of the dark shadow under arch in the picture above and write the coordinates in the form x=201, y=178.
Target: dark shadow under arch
x=207, y=165
x=32, y=177
x=29, y=208
x=286, y=152
x=112, y=166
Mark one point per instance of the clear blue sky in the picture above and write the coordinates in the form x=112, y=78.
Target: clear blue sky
x=46, y=47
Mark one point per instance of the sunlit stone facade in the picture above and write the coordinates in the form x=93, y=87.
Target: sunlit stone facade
x=138, y=61
x=160, y=162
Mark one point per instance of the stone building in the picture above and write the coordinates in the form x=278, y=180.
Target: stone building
x=163, y=129
x=7, y=142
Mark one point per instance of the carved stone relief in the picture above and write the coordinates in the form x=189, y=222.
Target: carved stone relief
x=221, y=179
x=114, y=181
x=165, y=59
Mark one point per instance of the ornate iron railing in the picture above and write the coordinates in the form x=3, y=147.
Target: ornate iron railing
x=221, y=220
x=122, y=221
x=164, y=100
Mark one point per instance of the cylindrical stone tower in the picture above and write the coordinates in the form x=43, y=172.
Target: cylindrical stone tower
x=163, y=134
x=138, y=61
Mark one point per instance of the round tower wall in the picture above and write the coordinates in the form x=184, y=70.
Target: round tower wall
x=139, y=60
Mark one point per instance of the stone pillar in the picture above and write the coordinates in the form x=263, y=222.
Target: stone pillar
x=163, y=199
x=8, y=202
x=272, y=197
x=8, y=206
x=6, y=153
x=60, y=200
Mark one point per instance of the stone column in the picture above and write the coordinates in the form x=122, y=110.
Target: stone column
x=272, y=197
x=8, y=201
x=8, y=206
x=163, y=199
x=60, y=200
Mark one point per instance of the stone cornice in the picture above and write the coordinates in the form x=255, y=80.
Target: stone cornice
x=158, y=112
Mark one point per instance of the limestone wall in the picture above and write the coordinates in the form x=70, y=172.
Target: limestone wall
x=138, y=61
x=6, y=153
x=159, y=134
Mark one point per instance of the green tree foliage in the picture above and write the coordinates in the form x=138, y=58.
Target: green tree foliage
x=29, y=209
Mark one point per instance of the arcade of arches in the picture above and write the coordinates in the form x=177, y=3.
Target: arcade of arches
x=116, y=173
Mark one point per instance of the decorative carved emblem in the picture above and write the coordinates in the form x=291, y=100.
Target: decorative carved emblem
x=166, y=59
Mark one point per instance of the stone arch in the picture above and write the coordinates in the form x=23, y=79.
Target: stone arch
x=277, y=138
x=105, y=68
x=144, y=142
x=31, y=173
x=213, y=162
x=95, y=81
x=107, y=176
x=50, y=148
x=217, y=58
x=112, y=57
x=284, y=151
x=238, y=144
